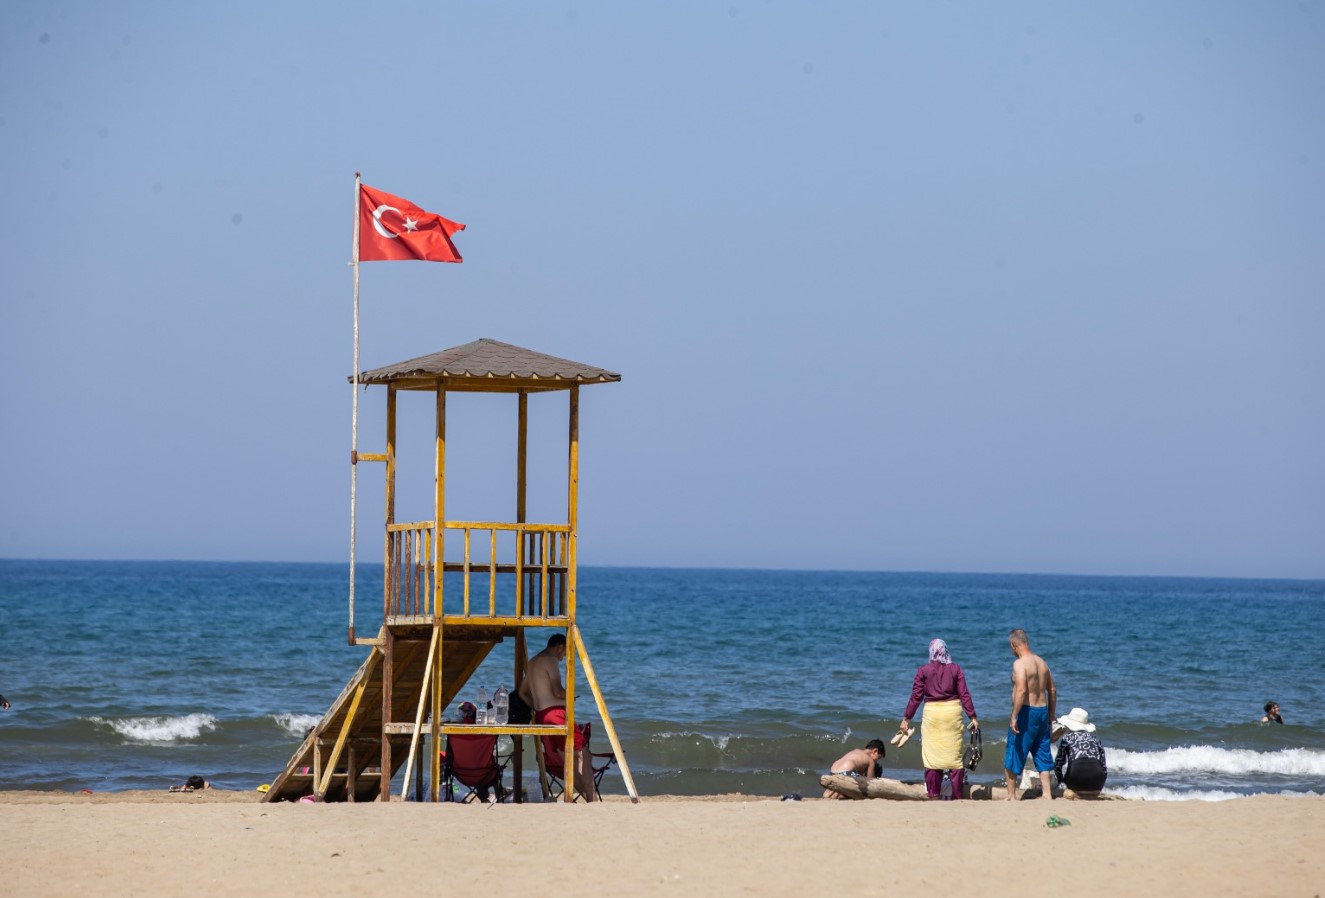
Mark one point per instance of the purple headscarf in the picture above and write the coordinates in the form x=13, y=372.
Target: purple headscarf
x=938, y=651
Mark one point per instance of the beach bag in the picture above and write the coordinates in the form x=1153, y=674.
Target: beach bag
x=519, y=711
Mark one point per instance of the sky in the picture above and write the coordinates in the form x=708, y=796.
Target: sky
x=1014, y=287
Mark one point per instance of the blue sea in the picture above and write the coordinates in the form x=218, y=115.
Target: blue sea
x=135, y=675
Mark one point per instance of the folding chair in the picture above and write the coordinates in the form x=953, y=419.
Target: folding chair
x=472, y=762
x=555, y=766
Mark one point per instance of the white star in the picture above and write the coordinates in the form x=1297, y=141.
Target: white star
x=411, y=224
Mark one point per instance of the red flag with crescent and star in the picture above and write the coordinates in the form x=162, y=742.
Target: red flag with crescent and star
x=393, y=229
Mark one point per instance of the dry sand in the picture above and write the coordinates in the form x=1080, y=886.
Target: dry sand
x=226, y=843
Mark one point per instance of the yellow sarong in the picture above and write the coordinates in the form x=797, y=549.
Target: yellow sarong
x=941, y=735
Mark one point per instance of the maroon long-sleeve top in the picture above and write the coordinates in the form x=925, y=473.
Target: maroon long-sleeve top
x=937, y=682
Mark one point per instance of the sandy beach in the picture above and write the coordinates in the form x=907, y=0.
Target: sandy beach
x=226, y=843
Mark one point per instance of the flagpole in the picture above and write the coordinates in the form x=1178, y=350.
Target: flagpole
x=354, y=415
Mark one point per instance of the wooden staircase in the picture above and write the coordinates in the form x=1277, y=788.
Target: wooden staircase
x=352, y=753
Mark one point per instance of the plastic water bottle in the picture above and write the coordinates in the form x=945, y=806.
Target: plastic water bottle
x=481, y=712
x=501, y=706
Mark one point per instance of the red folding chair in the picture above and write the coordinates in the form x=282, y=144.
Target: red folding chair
x=472, y=762
x=555, y=765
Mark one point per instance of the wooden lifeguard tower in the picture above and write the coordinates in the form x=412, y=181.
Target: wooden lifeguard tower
x=430, y=643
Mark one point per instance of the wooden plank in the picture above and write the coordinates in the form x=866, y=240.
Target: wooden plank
x=607, y=718
x=492, y=573
x=423, y=703
x=517, y=763
x=573, y=500
x=388, y=669
x=351, y=772
x=411, y=525
x=542, y=581
x=456, y=567
x=506, y=525
x=568, y=759
x=466, y=570
x=321, y=789
x=439, y=498
x=370, y=456
x=435, y=759
x=389, y=580
x=481, y=622
x=521, y=453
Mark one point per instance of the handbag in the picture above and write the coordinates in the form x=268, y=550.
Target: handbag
x=974, y=751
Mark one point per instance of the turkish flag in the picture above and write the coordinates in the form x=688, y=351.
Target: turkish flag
x=391, y=229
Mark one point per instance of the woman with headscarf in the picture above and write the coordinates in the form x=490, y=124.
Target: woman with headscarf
x=941, y=685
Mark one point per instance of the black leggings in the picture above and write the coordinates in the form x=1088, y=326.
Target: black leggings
x=1085, y=775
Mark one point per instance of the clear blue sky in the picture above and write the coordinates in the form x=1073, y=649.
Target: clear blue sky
x=951, y=287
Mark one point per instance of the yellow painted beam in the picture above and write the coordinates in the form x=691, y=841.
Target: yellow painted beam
x=348, y=724
x=607, y=718
x=423, y=703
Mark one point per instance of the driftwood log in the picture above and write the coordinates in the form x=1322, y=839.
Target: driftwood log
x=859, y=787
x=896, y=790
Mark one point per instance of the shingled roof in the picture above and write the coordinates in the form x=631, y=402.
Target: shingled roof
x=488, y=366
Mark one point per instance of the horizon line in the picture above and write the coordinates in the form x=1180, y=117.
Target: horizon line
x=730, y=569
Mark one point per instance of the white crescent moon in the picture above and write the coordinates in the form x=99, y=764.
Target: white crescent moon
x=377, y=220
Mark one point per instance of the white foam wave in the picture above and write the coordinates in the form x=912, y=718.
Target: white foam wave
x=1209, y=759
x=160, y=729
x=296, y=724
x=1159, y=793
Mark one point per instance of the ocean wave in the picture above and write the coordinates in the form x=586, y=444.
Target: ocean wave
x=1159, y=793
x=160, y=730
x=1208, y=759
x=296, y=724
x=718, y=742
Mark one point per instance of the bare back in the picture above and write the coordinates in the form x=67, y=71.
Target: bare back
x=857, y=760
x=1032, y=680
x=542, y=682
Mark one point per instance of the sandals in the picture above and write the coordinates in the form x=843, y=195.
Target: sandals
x=901, y=738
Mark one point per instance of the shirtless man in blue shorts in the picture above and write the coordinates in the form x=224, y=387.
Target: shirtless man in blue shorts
x=1033, y=712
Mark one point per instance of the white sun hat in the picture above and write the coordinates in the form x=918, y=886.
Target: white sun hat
x=1077, y=721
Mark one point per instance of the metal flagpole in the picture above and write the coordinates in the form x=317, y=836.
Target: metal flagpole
x=354, y=416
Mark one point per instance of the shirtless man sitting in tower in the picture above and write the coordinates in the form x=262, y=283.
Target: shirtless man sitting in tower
x=543, y=691
x=1034, y=701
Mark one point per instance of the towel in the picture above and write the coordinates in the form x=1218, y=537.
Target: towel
x=941, y=735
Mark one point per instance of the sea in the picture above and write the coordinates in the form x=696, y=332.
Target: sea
x=136, y=675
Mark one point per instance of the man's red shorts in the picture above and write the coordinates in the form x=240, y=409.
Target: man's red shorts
x=556, y=715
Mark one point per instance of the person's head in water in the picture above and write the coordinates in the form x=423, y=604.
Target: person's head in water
x=1272, y=713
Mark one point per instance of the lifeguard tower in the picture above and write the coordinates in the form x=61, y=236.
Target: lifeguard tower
x=514, y=576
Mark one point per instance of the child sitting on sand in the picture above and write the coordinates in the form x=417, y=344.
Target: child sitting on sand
x=194, y=783
x=859, y=762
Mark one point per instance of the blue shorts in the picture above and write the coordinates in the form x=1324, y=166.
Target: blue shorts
x=1032, y=740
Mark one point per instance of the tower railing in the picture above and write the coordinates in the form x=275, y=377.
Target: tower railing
x=410, y=561
x=508, y=572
